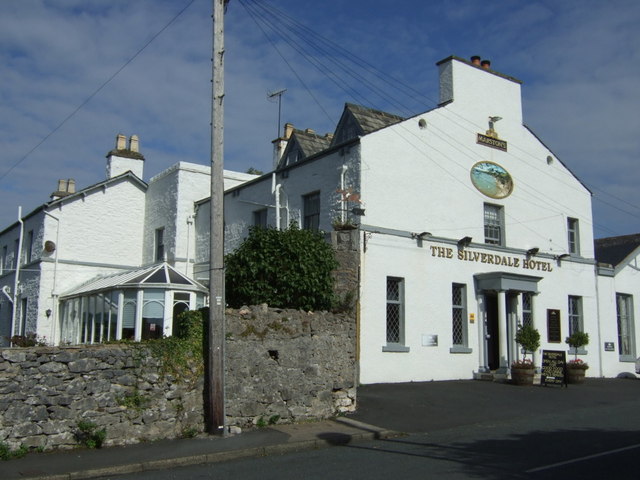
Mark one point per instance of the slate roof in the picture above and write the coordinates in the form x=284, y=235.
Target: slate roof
x=614, y=250
x=311, y=143
x=371, y=120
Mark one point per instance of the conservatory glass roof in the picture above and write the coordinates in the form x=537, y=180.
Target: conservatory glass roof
x=160, y=275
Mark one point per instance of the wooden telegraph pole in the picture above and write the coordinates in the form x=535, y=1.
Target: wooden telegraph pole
x=215, y=350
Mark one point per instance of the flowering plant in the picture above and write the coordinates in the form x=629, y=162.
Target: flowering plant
x=577, y=364
x=524, y=363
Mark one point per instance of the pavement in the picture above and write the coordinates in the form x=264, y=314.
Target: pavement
x=384, y=411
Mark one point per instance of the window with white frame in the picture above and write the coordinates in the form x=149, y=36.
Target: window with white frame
x=395, y=312
x=4, y=266
x=527, y=309
x=459, y=315
x=573, y=236
x=28, y=247
x=159, y=256
x=575, y=315
x=626, y=340
x=260, y=218
x=311, y=211
x=493, y=224
x=16, y=247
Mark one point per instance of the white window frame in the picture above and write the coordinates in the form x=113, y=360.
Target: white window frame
x=159, y=251
x=576, y=319
x=626, y=327
x=493, y=219
x=311, y=217
x=395, y=344
x=260, y=218
x=573, y=236
x=459, y=319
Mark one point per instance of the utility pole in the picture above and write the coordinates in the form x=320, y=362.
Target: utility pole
x=215, y=351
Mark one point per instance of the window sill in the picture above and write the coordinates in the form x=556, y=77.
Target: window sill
x=460, y=349
x=395, y=348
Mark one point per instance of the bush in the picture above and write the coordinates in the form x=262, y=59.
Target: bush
x=283, y=268
x=89, y=435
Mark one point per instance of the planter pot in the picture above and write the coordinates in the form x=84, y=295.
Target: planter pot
x=575, y=375
x=522, y=376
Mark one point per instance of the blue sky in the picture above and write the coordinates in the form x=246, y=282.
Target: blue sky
x=579, y=61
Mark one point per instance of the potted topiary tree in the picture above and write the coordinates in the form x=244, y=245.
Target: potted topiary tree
x=522, y=371
x=576, y=368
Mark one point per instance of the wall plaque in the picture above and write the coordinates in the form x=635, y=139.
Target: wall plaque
x=609, y=347
x=554, y=334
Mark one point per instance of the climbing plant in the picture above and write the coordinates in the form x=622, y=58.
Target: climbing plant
x=284, y=268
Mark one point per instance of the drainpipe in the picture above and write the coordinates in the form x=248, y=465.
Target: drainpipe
x=189, y=223
x=275, y=189
x=54, y=294
x=17, y=273
x=343, y=170
x=600, y=344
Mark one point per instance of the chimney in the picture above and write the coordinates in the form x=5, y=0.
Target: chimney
x=125, y=157
x=288, y=130
x=279, y=144
x=65, y=188
x=310, y=130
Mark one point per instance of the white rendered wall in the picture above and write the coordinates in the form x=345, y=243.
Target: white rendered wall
x=428, y=280
x=418, y=179
x=626, y=281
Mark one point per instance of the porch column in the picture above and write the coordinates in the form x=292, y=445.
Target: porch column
x=502, y=332
x=534, y=324
x=482, y=333
x=517, y=320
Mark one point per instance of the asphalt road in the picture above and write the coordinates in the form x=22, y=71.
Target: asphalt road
x=461, y=430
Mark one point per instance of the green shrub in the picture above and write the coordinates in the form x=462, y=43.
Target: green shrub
x=89, y=435
x=6, y=453
x=283, y=268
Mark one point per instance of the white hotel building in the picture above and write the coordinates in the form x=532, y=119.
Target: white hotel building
x=468, y=226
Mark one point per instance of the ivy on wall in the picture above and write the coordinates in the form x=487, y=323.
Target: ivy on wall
x=283, y=268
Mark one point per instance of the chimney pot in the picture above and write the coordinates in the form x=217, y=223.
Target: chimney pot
x=121, y=142
x=134, y=144
x=486, y=64
x=62, y=185
x=310, y=130
x=475, y=60
x=71, y=186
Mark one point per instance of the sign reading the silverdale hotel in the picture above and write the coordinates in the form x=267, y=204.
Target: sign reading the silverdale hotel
x=492, y=142
x=491, y=259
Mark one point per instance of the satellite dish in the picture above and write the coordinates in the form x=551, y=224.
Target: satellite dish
x=49, y=246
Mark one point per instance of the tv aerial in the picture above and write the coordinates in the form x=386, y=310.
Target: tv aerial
x=273, y=95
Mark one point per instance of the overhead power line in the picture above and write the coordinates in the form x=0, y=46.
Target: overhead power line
x=95, y=92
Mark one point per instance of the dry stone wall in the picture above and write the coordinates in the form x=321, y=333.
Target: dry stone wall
x=281, y=366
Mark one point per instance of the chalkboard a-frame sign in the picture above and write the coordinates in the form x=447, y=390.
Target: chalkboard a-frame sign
x=554, y=364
